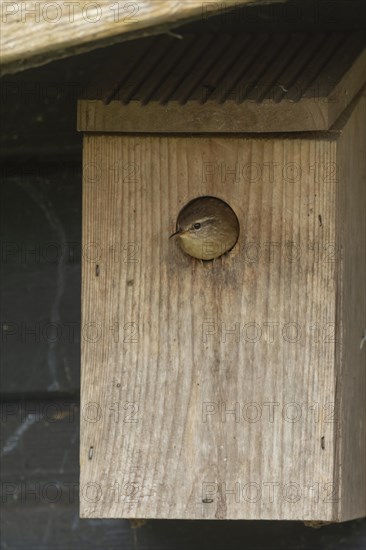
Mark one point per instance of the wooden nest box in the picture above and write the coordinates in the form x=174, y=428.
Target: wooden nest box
x=230, y=389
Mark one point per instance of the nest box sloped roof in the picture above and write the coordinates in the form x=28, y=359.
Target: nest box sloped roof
x=282, y=82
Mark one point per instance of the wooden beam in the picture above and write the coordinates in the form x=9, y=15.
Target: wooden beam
x=35, y=32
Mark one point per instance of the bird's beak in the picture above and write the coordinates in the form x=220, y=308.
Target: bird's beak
x=178, y=232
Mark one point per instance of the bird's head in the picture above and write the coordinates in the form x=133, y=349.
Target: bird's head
x=207, y=227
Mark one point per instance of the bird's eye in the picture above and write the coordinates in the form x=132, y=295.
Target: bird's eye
x=196, y=225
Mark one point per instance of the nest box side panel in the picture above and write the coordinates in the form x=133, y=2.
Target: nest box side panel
x=208, y=388
x=351, y=315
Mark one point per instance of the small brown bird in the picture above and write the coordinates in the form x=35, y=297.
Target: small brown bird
x=207, y=227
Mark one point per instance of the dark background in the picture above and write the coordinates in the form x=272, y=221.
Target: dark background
x=40, y=313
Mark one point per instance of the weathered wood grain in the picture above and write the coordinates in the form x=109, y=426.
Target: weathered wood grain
x=229, y=117
x=162, y=368
x=40, y=488
x=36, y=32
x=351, y=314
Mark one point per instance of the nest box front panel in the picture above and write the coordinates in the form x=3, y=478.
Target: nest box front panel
x=208, y=387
